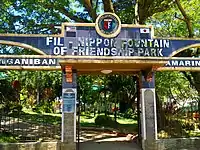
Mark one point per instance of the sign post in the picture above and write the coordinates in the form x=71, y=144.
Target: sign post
x=69, y=96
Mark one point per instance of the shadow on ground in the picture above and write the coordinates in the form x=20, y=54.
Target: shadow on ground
x=101, y=140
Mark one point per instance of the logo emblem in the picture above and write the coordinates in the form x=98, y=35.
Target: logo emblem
x=108, y=25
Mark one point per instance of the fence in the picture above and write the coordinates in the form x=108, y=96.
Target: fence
x=177, y=120
x=25, y=127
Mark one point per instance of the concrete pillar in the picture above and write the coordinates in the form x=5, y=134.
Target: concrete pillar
x=148, y=110
x=69, y=96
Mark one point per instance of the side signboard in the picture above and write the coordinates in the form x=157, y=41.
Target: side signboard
x=53, y=62
x=69, y=100
x=183, y=63
x=10, y=61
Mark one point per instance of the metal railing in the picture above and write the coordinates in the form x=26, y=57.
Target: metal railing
x=178, y=120
x=25, y=127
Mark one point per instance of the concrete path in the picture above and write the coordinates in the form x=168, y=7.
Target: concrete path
x=99, y=140
x=109, y=146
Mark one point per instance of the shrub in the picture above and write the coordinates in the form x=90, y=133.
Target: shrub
x=188, y=126
x=43, y=107
x=6, y=137
x=107, y=121
x=11, y=107
x=128, y=114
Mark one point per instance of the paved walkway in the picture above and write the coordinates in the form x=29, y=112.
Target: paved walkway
x=109, y=146
x=99, y=140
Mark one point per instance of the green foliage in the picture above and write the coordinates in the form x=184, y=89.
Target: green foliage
x=122, y=89
x=128, y=113
x=15, y=107
x=34, y=117
x=170, y=23
x=46, y=83
x=123, y=125
x=36, y=16
x=188, y=126
x=85, y=89
x=44, y=107
x=7, y=93
x=106, y=121
x=7, y=138
x=117, y=88
x=174, y=85
x=9, y=101
x=10, y=107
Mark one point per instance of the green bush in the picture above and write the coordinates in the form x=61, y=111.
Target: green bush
x=6, y=137
x=12, y=107
x=128, y=114
x=188, y=126
x=43, y=107
x=106, y=121
x=16, y=108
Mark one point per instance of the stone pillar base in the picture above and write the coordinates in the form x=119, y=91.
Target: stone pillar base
x=150, y=145
x=67, y=146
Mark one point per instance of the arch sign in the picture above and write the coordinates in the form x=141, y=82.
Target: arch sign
x=104, y=42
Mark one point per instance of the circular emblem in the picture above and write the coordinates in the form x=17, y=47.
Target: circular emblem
x=108, y=25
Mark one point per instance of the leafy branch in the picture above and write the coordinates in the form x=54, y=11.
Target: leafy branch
x=108, y=6
x=186, y=18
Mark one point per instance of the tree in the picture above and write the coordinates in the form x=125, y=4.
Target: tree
x=37, y=87
x=8, y=96
x=182, y=20
x=123, y=91
x=30, y=16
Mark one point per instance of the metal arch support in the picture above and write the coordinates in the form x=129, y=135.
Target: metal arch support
x=23, y=46
x=184, y=48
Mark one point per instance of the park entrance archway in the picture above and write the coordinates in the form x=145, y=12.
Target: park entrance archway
x=92, y=48
x=96, y=128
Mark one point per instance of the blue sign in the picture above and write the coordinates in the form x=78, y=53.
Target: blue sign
x=10, y=61
x=82, y=41
x=183, y=63
x=54, y=62
x=69, y=99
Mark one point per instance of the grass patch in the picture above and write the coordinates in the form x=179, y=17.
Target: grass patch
x=123, y=125
x=126, y=121
x=38, y=118
x=87, y=120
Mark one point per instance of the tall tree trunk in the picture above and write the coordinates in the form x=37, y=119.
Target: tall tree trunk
x=84, y=107
x=108, y=6
x=38, y=88
x=115, y=113
x=105, y=108
x=38, y=95
x=136, y=19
